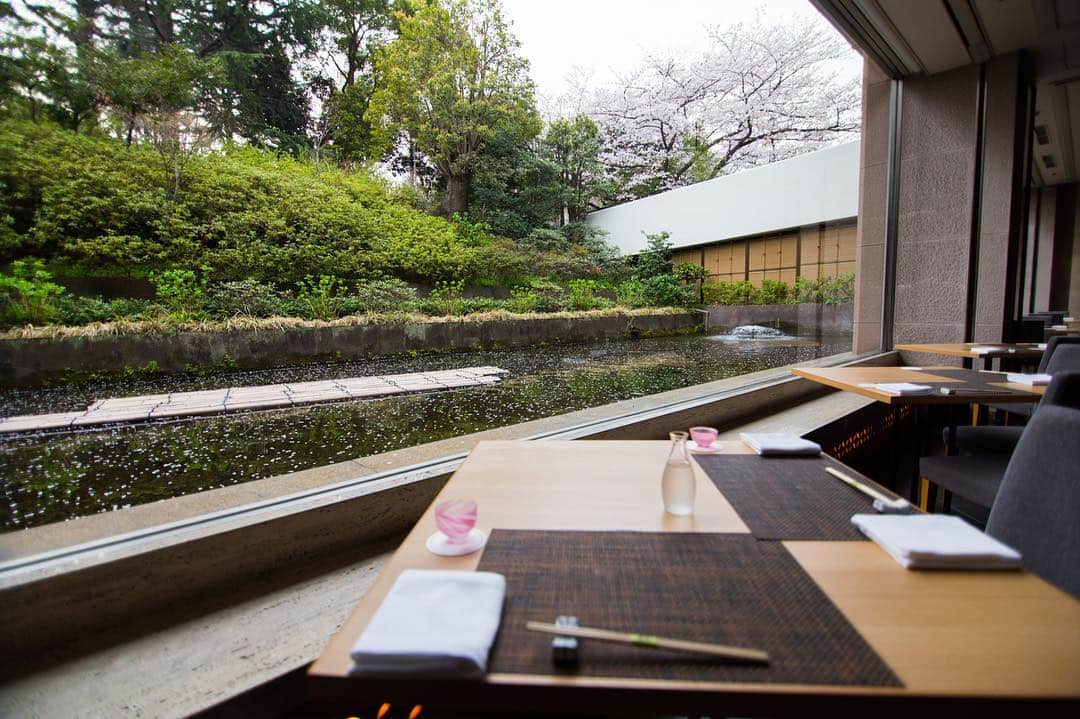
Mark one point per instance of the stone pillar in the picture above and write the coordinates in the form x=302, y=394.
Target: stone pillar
x=998, y=228
x=870, y=234
x=938, y=145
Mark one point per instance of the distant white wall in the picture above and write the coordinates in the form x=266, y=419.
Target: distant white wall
x=820, y=186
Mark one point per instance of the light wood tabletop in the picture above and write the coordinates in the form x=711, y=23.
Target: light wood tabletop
x=1025, y=350
x=950, y=637
x=860, y=380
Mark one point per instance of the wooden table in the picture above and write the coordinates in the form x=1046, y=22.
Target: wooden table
x=859, y=379
x=1022, y=351
x=956, y=639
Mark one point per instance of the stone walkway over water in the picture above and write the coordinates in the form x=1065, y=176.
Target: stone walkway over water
x=235, y=399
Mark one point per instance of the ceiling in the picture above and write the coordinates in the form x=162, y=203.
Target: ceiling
x=923, y=37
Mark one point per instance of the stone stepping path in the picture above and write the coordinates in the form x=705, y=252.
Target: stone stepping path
x=236, y=399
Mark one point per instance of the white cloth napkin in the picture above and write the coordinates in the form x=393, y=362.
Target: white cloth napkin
x=779, y=443
x=1059, y=327
x=1033, y=380
x=1041, y=345
x=903, y=389
x=983, y=350
x=936, y=541
x=435, y=623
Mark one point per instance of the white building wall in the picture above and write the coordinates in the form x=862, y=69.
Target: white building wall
x=820, y=186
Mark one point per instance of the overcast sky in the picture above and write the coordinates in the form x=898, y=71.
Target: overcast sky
x=604, y=36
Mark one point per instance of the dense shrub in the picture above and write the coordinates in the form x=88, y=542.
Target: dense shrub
x=385, y=294
x=823, y=290
x=244, y=298
x=98, y=206
x=774, y=292
x=583, y=295
x=73, y=310
x=826, y=290
x=27, y=295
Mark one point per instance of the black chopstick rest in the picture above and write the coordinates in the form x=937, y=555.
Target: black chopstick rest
x=564, y=650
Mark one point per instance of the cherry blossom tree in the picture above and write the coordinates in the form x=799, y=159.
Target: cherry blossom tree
x=760, y=93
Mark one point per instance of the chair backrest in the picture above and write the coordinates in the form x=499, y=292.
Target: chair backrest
x=1053, y=317
x=1065, y=359
x=1052, y=346
x=1025, y=331
x=1063, y=390
x=1037, y=509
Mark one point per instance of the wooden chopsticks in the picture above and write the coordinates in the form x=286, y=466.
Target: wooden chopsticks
x=741, y=654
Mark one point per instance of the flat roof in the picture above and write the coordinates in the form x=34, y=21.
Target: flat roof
x=816, y=187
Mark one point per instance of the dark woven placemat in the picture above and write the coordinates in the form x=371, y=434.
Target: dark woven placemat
x=790, y=497
x=723, y=588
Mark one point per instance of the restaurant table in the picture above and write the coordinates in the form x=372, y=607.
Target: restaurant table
x=1004, y=351
x=983, y=386
x=974, y=388
x=954, y=640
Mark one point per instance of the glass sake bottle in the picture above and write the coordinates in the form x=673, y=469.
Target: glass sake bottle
x=678, y=485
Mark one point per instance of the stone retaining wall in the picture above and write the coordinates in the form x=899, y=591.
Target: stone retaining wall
x=44, y=360
x=802, y=319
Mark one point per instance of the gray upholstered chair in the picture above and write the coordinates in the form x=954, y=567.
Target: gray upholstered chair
x=1002, y=439
x=1037, y=508
x=977, y=476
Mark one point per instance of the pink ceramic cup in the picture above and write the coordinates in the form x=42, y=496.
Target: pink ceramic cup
x=456, y=518
x=703, y=436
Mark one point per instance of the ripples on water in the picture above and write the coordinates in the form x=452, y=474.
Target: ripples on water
x=53, y=477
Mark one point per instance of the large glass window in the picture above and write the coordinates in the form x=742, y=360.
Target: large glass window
x=188, y=248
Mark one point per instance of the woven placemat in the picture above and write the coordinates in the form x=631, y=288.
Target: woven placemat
x=790, y=497
x=724, y=588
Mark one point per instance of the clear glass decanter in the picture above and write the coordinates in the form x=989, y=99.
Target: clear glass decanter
x=678, y=485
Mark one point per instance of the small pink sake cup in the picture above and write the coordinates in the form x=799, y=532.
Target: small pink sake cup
x=455, y=518
x=704, y=436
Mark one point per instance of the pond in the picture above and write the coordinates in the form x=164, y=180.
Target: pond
x=52, y=477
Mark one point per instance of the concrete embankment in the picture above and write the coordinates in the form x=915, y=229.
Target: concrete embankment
x=804, y=320
x=41, y=360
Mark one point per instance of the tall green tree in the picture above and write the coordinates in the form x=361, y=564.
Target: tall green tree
x=573, y=147
x=358, y=28
x=449, y=84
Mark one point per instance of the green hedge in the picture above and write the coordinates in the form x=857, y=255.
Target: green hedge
x=95, y=206
x=823, y=290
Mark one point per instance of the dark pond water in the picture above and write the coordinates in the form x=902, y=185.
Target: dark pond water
x=47, y=478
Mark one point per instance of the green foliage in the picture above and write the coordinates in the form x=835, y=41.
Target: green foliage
x=385, y=294
x=446, y=297
x=774, y=292
x=823, y=290
x=182, y=291
x=656, y=259
x=28, y=294
x=573, y=148
x=244, y=298
x=729, y=293
x=72, y=310
x=318, y=299
x=452, y=82
x=667, y=291
x=99, y=207
x=583, y=295
x=826, y=290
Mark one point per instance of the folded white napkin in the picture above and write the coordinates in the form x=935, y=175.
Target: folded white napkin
x=435, y=623
x=1059, y=327
x=1041, y=345
x=936, y=541
x=779, y=443
x=983, y=350
x=902, y=389
x=1034, y=380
